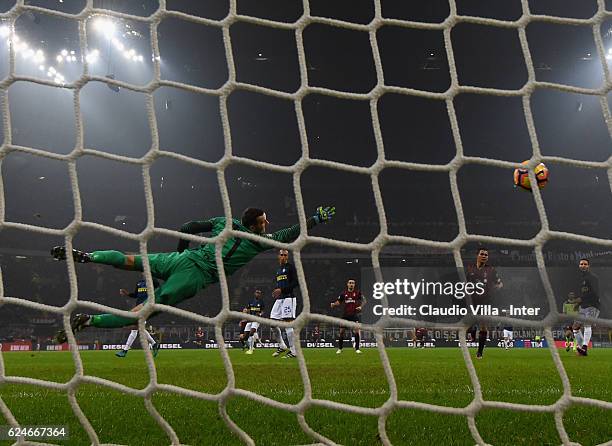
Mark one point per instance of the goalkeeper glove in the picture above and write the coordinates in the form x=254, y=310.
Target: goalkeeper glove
x=325, y=214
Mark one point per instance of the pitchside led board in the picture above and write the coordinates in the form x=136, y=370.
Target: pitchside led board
x=441, y=294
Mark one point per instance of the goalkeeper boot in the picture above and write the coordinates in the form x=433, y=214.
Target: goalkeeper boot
x=78, y=323
x=289, y=355
x=59, y=253
x=121, y=353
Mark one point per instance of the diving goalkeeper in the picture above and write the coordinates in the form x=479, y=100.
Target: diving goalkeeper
x=188, y=270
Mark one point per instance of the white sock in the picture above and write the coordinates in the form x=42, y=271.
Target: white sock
x=251, y=342
x=588, y=332
x=149, y=338
x=256, y=336
x=130, y=339
x=289, y=332
x=281, y=342
x=578, y=337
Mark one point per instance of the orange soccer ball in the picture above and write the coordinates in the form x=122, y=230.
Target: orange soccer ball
x=521, y=176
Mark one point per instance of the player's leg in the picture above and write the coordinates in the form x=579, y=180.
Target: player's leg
x=246, y=338
x=290, y=341
x=357, y=334
x=162, y=264
x=591, y=312
x=578, y=339
x=277, y=314
x=183, y=284
x=128, y=344
x=288, y=316
x=282, y=346
x=482, y=340
x=569, y=338
x=340, y=340
x=252, y=333
x=242, y=337
x=472, y=333
x=153, y=344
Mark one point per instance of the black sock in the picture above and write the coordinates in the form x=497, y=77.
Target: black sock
x=482, y=338
x=473, y=334
x=340, y=342
x=356, y=341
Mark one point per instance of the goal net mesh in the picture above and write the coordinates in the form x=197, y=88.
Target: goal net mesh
x=478, y=403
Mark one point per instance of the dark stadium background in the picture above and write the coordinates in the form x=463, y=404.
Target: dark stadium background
x=418, y=204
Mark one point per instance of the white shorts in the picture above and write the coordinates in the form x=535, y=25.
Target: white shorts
x=587, y=312
x=251, y=325
x=507, y=334
x=284, y=308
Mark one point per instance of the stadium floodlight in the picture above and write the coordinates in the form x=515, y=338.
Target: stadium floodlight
x=41, y=67
x=4, y=31
x=52, y=70
x=92, y=57
x=118, y=44
x=140, y=58
x=64, y=53
x=105, y=26
x=59, y=58
x=39, y=56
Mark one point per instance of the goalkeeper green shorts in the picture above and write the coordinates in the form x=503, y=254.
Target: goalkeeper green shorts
x=182, y=277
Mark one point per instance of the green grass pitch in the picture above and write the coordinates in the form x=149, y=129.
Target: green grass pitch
x=436, y=376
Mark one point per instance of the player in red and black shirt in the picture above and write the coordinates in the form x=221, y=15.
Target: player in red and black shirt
x=353, y=302
x=199, y=337
x=480, y=272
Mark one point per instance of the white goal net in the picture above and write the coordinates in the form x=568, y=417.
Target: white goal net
x=478, y=403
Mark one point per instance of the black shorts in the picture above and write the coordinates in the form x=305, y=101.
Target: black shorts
x=352, y=317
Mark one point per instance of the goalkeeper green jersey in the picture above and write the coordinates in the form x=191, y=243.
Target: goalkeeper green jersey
x=237, y=251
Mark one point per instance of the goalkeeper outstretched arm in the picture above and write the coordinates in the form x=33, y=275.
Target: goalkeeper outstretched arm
x=288, y=235
x=193, y=227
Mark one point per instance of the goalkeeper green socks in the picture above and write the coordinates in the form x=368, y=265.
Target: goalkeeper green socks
x=114, y=258
x=110, y=321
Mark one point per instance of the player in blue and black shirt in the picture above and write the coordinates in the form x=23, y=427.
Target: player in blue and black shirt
x=141, y=295
x=285, y=280
x=256, y=308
